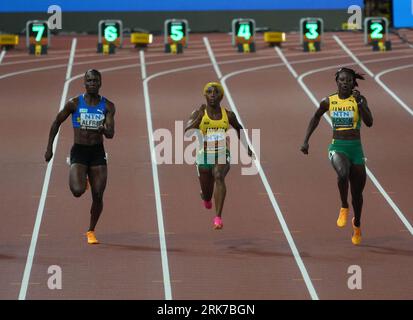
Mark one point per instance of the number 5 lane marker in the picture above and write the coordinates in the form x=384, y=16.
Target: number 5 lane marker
x=266, y=184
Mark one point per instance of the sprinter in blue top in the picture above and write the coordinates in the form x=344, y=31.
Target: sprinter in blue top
x=92, y=118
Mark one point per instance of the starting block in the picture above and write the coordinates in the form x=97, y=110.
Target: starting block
x=381, y=45
x=37, y=49
x=246, y=47
x=274, y=38
x=8, y=41
x=106, y=48
x=140, y=39
x=310, y=46
x=174, y=48
x=349, y=26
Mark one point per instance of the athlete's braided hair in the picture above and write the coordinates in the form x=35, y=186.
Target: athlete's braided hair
x=95, y=72
x=355, y=74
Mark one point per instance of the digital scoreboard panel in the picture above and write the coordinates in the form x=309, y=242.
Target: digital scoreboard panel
x=243, y=34
x=311, y=32
x=37, y=36
x=175, y=35
x=376, y=33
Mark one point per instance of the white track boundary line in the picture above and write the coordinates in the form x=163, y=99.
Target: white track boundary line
x=369, y=173
x=389, y=91
x=371, y=74
x=155, y=176
x=266, y=184
x=42, y=201
x=2, y=54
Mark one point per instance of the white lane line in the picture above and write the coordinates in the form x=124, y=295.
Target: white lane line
x=371, y=74
x=13, y=74
x=48, y=171
x=284, y=59
x=2, y=54
x=42, y=201
x=351, y=54
x=159, y=213
x=212, y=57
x=389, y=91
x=143, y=64
x=267, y=186
x=369, y=173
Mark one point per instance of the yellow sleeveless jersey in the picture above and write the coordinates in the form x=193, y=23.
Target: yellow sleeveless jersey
x=344, y=113
x=214, y=132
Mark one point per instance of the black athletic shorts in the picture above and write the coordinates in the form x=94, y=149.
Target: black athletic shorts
x=90, y=156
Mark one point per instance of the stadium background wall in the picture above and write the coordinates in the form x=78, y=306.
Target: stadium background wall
x=211, y=21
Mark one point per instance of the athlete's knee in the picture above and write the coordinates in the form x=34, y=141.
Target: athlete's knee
x=219, y=177
x=77, y=191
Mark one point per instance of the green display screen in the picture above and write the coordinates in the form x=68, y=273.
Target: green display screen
x=38, y=31
x=177, y=30
x=312, y=29
x=244, y=30
x=377, y=30
x=111, y=31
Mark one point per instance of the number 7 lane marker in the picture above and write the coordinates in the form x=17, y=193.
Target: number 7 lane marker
x=42, y=201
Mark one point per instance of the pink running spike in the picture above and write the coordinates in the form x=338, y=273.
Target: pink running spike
x=218, y=223
x=208, y=204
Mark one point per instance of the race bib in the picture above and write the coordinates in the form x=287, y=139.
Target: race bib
x=91, y=121
x=342, y=119
x=215, y=141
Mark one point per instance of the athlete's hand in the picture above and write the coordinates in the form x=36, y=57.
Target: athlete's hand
x=48, y=155
x=356, y=94
x=101, y=129
x=305, y=147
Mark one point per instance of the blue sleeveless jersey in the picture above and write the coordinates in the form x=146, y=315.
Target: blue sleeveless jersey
x=89, y=117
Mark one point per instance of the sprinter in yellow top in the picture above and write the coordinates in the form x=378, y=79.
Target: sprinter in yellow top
x=213, y=157
x=346, y=109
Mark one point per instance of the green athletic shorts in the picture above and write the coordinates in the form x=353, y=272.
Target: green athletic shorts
x=351, y=148
x=208, y=160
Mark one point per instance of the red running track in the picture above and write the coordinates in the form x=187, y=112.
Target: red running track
x=251, y=258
